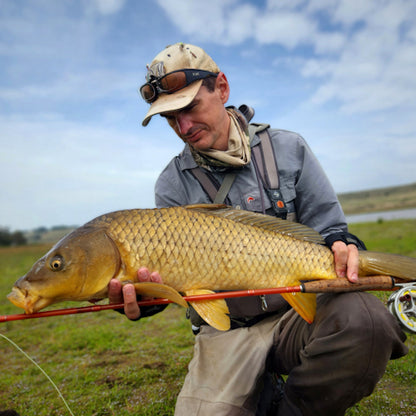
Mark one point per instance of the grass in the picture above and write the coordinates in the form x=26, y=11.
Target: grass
x=105, y=365
x=394, y=395
x=102, y=363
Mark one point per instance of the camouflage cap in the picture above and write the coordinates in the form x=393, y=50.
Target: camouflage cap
x=173, y=58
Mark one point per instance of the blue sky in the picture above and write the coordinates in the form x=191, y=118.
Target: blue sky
x=339, y=72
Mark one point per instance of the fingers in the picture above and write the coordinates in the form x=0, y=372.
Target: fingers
x=144, y=275
x=353, y=263
x=346, y=260
x=114, y=291
x=131, y=309
x=118, y=293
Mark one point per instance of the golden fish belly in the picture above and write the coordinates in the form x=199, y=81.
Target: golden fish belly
x=194, y=251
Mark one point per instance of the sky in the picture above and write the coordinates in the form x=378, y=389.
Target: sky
x=338, y=72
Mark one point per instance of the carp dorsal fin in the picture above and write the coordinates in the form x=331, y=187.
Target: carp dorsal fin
x=214, y=312
x=159, y=290
x=255, y=219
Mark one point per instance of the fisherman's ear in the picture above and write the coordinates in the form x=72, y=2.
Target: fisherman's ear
x=222, y=87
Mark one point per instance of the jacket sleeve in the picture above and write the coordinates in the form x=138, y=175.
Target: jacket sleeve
x=315, y=200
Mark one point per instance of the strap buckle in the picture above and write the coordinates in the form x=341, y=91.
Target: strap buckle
x=278, y=203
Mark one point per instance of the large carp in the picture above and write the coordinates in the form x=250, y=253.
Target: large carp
x=195, y=249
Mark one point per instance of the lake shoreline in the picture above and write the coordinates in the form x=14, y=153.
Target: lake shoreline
x=398, y=214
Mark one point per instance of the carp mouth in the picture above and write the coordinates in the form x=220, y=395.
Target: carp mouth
x=30, y=303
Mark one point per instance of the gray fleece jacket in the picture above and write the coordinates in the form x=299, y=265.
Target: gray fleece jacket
x=303, y=184
x=307, y=192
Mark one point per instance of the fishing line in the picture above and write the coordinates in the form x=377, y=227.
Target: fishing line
x=41, y=369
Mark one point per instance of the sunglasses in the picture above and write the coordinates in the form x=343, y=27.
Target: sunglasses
x=172, y=82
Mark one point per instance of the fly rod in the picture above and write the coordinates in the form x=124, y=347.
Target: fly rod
x=316, y=286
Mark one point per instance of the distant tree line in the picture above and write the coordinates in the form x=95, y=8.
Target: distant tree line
x=8, y=238
x=36, y=235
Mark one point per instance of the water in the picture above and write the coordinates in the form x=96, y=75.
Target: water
x=385, y=215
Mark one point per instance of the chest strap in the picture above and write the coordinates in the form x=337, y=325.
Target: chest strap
x=264, y=157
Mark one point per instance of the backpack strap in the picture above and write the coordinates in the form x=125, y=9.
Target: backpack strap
x=267, y=168
x=217, y=193
x=264, y=156
x=225, y=188
x=208, y=185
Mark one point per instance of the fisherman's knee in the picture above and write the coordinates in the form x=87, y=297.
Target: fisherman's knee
x=362, y=323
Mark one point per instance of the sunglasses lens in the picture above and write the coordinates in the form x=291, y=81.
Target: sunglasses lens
x=148, y=92
x=173, y=82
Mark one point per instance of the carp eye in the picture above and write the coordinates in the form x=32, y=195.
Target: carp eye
x=57, y=263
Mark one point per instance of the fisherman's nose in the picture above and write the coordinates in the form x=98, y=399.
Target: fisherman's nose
x=183, y=123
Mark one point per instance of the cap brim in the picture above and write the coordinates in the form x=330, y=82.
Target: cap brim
x=173, y=102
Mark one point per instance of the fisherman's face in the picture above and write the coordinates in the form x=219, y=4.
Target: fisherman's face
x=204, y=123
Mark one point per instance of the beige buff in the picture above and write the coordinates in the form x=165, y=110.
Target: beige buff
x=238, y=152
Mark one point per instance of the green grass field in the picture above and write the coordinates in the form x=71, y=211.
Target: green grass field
x=106, y=365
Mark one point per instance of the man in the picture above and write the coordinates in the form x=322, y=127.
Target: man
x=332, y=363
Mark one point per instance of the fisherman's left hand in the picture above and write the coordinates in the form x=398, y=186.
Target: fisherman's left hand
x=118, y=293
x=346, y=260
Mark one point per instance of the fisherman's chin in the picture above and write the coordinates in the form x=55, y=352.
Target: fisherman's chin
x=31, y=304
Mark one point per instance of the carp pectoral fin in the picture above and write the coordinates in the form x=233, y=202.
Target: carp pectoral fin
x=158, y=290
x=213, y=312
x=303, y=303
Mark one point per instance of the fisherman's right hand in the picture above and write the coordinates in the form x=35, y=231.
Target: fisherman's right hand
x=117, y=293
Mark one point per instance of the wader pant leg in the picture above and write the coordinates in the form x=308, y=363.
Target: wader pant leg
x=335, y=362
x=331, y=364
x=225, y=371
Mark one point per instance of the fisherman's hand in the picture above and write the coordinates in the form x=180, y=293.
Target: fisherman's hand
x=118, y=293
x=346, y=260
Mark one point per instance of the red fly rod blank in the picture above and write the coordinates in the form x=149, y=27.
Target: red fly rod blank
x=315, y=286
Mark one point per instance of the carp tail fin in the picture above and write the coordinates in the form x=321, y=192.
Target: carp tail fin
x=395, y=265
x=214, y=312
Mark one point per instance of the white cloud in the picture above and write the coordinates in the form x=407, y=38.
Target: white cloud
x=272, y=5
x=374, y=70
x=316, y=67
x=93, y=83
x=329, y=43
x=198, y=19
x=108, y=6
x=349, y=12
x=241, y=24
x=68, y=173
x=289, y=29
x=44, y=38
x=232, y=22
x=72, y=144
x=367, y=67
